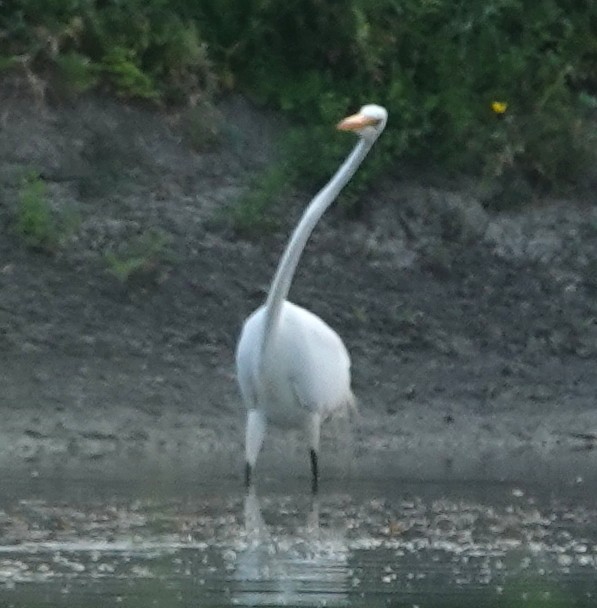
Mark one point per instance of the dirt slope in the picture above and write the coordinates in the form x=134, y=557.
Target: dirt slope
x=473, y=335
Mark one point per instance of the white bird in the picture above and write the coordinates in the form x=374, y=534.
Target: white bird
x=292, y=368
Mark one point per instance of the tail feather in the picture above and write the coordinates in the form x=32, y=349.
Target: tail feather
x=347, y=409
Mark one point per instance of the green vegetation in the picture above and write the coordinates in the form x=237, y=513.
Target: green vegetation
x=143, y=258
x=253, y=213
x=139, y=49
x=36, y=223
x=438, y=65
x=203, y=126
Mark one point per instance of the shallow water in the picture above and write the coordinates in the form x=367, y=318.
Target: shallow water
x=171, y=542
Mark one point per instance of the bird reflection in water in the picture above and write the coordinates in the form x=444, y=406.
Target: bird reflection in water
x=285, y=566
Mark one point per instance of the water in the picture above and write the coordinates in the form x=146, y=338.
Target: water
x=170, y=542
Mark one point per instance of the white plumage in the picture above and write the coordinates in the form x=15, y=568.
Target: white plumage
x=292, y=367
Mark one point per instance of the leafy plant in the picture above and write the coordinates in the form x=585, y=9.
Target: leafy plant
x=141, y=258
x=35, y=222
x=254, y=212
x=40, y=227
x=75, y=73
x=119, y=66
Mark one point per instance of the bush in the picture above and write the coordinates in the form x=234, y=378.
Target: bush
x=438, y=66
x=139, y=49
x=36, y=223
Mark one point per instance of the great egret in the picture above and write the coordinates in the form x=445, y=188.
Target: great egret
x=292, y=367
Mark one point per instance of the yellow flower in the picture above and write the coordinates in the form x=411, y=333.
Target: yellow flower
x=499, y=107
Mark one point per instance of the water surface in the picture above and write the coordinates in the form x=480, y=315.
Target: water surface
x=174, y=542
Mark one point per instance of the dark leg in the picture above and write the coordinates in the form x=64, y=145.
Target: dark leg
x=314, y=472
x=248, y=472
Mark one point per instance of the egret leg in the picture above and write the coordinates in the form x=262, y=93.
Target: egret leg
x=313, y=516
x=314, y=471
x=314, y=434
x=255, y=432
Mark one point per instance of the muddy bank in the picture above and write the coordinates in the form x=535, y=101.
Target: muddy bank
x=473, y=334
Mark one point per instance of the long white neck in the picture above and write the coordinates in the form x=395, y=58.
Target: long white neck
x=286, y=268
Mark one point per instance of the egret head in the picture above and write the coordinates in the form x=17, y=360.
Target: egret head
x=368, y=122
